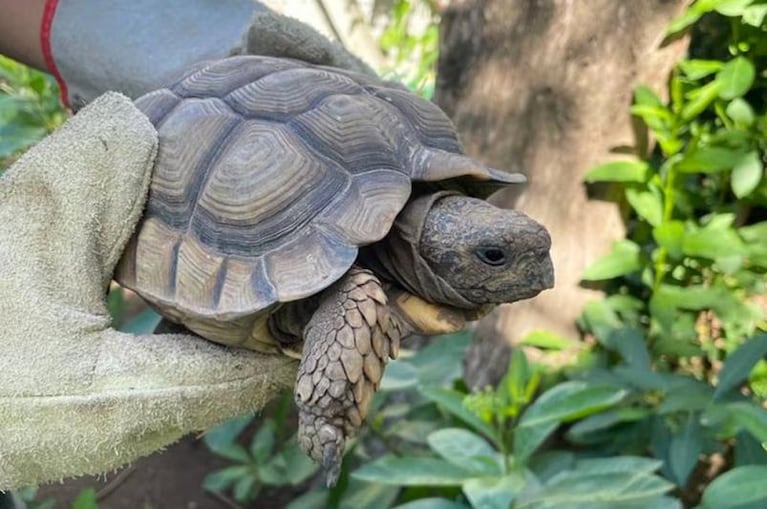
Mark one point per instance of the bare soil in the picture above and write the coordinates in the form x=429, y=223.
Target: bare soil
x=170, y=479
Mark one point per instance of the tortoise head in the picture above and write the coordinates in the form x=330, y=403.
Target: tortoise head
x=486, y=254
x=461, y=251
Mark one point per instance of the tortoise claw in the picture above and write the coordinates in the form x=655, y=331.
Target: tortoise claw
x=332, y=457
x=323, y=442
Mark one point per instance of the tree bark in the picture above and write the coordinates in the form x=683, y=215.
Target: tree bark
x=544, y=87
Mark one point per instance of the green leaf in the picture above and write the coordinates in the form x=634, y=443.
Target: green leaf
x=605, y=420
x=738, y=487
x=234, y=452
x=399, y=375
x=686, y=445
x=686, y=19
x=600, y=318
x=86, y=499
x=618, y=171
x=709, y=160
x=640, y=377
x=494, y=493
x=740, y=112
x=263, y=441
x=732, y=7
x=243, y=488
x=412, y=471
x=21, y=137
x=564, y=402
x=645, y=96
x=647, y=202
x=272, y=473
x=749, y=417
x=696, y=69
x=699, y=99
x=739, y=364
x=617, y=464
x=623, y=259
x=466, y=450
x=693, y=298
x=630, y=344
x=598, y=490
x=315, y=499
x=220, y=480
x=297, y=465
x=516, y=380
x=528, y=438
x=713, y=243
x=754, y=15
x=432, y=503
x=440, y=362
x=749, y=450
x=684, y=394
x=225, y=434
x=670, y=235
x=413, y=430
x=735, y=78
x=747, y=174
x=452, y=401
x=569, y=401
x=546, y=340
x=550, y=463
x=359, y=494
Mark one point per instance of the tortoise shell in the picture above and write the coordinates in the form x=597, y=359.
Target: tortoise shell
x=271, y=173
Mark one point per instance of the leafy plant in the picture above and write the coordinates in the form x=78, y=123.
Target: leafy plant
x=695, y=250
x=29, y=108
x=493, y=455
x=269, y=460
x=688, y=282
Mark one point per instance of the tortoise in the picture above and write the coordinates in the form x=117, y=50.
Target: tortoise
x=323, y=214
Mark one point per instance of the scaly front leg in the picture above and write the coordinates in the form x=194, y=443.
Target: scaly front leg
x=347, y=343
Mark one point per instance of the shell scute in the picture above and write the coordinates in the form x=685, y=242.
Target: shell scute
x=220, y=77
x=281, y=96
x=358, y=133
x=184, y=155
x=263, y=189
x=433, y=127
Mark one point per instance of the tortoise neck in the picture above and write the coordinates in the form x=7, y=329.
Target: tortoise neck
x=397, y=258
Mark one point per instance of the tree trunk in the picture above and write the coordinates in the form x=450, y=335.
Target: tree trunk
x=544, y=87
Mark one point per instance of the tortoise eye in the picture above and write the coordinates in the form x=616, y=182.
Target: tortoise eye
x=492, y=255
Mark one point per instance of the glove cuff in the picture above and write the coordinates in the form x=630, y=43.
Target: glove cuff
x=92, y=46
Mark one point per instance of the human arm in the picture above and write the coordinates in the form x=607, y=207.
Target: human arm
x=92, y=46
x=20, y=31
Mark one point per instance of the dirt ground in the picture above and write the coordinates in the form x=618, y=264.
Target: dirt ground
x=171, y=479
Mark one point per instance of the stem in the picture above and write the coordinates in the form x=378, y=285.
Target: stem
x=668, y=209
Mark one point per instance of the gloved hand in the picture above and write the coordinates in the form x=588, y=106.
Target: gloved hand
x=77, y=397
x=134, y=47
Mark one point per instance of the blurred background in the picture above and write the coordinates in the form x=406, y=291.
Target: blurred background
x=640, y=380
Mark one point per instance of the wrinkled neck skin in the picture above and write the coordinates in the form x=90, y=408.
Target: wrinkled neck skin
x=397, y=258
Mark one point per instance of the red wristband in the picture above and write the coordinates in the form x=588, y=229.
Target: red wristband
x=45, y=43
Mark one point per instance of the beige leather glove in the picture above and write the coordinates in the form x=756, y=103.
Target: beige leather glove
x=77, y=397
